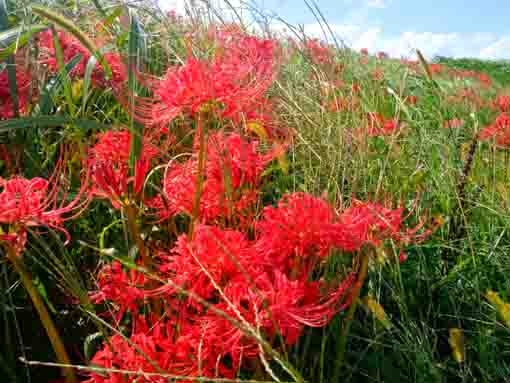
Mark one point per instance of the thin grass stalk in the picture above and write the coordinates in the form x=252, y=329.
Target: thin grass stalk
x=49, y=326
x=202, y=156
x=363, y=271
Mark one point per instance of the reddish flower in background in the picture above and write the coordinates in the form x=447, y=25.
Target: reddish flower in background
x=499, y=131
x=412, y=100
x=364, y=51
x=71, y=48
x=502, y=103
x=454, y=123
x=382, y=55
x=436, y=68
x=23, y=80
x=371, y=222
x=380, y=126
x=485, y=80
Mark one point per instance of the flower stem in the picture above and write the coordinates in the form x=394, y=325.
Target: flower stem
x=135, y=234
x=49, y=326
x=363, y=270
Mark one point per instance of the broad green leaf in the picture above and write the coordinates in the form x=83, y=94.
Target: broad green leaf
x=51, y=90
x=47, y=121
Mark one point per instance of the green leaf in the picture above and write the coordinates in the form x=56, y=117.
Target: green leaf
x=16, y=37
x=50, y=91
x=47, y=121
x=89, y=347
x=136, y=129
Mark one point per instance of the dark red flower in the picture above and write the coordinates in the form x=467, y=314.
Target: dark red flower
x=23, y=80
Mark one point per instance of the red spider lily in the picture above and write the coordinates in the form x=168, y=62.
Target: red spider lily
x=502, y=103
x=108, y=164
x=380, y=126
x=382, y=55
x=124, y=289
x=499, y=131
x=485, y=80
x=293, y=236
x=182, y=352
x=232, y=173
x=378, y=74
x=23, y=80
x=212, y=256
x=35, y=202
x=71, y=47
x=436, y=68
x=318, y=52
x=371, y=222
x=239, y=75
x=454, y=123
x=274, y=304
x=364, y=51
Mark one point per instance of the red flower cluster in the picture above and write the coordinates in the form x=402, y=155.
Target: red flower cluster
x=108, y=165
x=70, y=49
x=378, y=125
x=23, y=80
x=231, y=176
x=35, y=203
x=252, y=288
x=499, y=131
x=502, y=103
x=227, y=86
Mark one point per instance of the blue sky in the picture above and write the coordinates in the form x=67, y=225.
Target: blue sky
x=459, y=28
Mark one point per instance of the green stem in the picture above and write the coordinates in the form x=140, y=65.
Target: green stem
x=363, y=271
x=49, y=326
x=200, y=175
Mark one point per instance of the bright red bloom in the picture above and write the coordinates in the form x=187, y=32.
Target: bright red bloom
x=373, y=223
x=239, y=75
x=212, y=253
x=108, y=164
x=23, y=80
x=232, y=174
x=293, y=236
x=364, y=51
x=35, y=202
x=499, y=131
x=124, y=289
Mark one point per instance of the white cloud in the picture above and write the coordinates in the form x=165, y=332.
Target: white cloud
x=377, y=3
x=453, y=44
x=498, y=49
x=180, y=6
